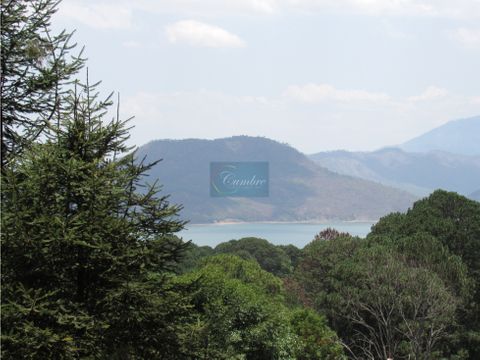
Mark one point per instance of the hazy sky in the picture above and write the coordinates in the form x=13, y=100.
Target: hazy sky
x=317, y=74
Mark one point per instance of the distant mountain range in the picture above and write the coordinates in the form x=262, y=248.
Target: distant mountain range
x=442, y=158
x=456, y=137
x=418, y=173
x=300, y=189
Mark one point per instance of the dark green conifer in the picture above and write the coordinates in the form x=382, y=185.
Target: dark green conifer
x=87, y=254
x=35, y=67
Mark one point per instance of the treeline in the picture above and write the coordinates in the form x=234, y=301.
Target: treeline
x=409, y=290
x=92, y=269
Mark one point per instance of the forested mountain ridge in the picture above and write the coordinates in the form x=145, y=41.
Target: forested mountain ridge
x=300, y=190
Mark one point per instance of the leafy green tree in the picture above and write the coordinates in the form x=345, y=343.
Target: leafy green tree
x=424, y=250
x=320, y=257
x=193, y=256
x=294, y=253
x=316, y=340
x=455, y=221
x=451, y=218
x=330, y=234
x=384, y=297
x=393, y=310
x=270, y=257
x=86, y=258
x=311, y=268
x=239, y=312
x=35, y=65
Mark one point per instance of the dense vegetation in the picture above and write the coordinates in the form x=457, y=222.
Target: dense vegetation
x=92, y=269
x=409, y=290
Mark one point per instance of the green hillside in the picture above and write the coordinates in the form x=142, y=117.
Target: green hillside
x=300, y=190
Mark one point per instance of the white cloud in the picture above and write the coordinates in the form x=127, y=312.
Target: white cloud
x=209, y=7
x=196, y=33
x=312, y=93
x=430, y=93
x=429, y=8
x=117, y=13
x=368, y=7
x=394, y=7
x=98, y=15
x=468, y=37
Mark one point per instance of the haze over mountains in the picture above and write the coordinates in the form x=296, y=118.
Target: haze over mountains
x=300, y=189
x=446, y=157
x=327, y=186
x=457, y=137
x=418, y=173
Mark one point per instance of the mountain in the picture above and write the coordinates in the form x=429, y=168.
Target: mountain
x=299, y=189
x=441, y=158
x=418, y=173
x=457, y=137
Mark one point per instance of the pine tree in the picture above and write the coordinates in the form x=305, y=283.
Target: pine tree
x=35, y=67
x=87, y=252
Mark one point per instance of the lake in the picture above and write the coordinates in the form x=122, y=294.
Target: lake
x=298, y=234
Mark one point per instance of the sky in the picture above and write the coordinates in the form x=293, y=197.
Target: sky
x=316, y=74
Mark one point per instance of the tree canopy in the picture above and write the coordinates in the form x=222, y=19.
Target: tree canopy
x=409, y=290
x=240, y=313
x=270, y=257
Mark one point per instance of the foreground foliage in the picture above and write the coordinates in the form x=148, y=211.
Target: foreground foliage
x=455, y=222
x=408, y=291
x=240, y=314
x=85, y=257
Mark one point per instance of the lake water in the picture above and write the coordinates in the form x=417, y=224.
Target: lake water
x=298, y=234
